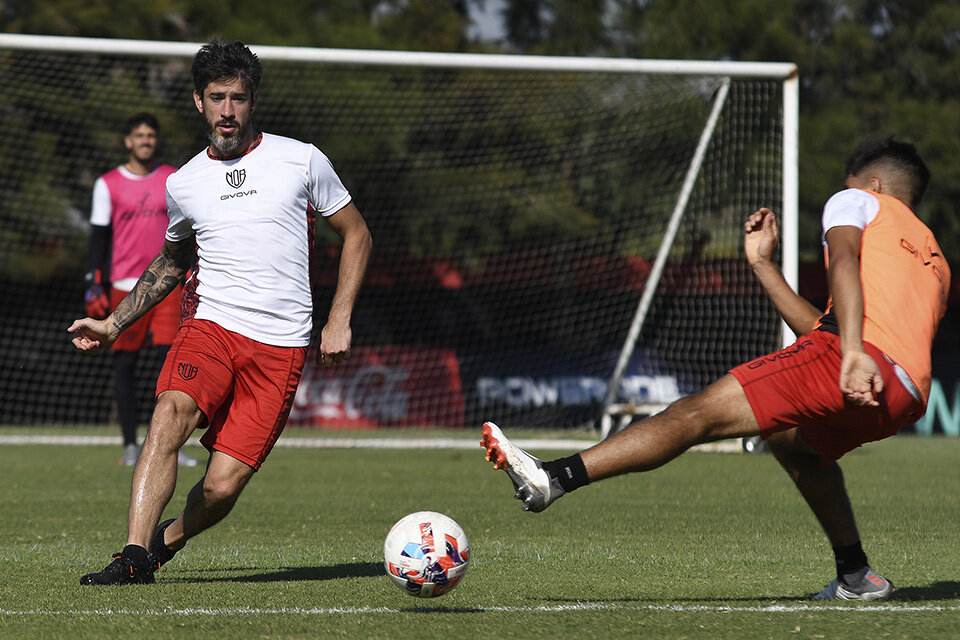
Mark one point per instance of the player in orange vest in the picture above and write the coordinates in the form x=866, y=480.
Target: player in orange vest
x=857, y=373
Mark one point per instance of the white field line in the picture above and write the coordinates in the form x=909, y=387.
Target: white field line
x=356, y=443
x=559, y=608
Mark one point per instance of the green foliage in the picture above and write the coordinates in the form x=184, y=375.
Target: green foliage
x=155, y=20
x=43, y=211
x=438, y=25
x=867, y=68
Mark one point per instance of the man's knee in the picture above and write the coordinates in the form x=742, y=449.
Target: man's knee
x=793, y=454
x=175, y=416
x=165, y=411
x=222, y=490
x=225, y=479
x=689, y=410
x=789, y=443
x=177, y=409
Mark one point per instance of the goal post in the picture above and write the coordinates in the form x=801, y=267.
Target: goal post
x=524, y=209
x=611, y=408
x=650, y=288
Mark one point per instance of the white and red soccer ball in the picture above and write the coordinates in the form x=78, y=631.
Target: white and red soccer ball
x=426, y=554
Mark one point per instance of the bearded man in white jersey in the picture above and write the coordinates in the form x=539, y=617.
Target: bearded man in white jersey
x=249, y=201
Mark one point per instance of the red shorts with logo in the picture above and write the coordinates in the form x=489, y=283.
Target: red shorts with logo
x=159, y=324
x=245, y=388
x=799, y=387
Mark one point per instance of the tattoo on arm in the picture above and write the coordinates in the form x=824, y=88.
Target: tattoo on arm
x=158, y=280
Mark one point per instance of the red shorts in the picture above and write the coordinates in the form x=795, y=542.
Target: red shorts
x=159, y=324
x=245, y=388
x=799, y=387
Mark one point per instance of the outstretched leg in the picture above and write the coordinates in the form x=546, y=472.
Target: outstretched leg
x=719, y=411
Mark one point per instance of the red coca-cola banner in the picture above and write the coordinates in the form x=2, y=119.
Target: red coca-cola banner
x=382, y=387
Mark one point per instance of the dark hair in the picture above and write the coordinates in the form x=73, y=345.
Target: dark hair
x=138, y=119
x=902, y=157
x=217, y=60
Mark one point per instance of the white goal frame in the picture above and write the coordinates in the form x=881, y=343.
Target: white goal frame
x=783, y=71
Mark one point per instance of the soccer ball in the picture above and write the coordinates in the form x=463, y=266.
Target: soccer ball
x=426, y=554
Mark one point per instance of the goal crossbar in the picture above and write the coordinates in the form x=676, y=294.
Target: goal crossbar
x=411, y=58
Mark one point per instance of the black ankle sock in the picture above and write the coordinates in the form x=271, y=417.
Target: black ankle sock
x=162, y=553
x=137, y=554
x=569, y=472
x=850, y=559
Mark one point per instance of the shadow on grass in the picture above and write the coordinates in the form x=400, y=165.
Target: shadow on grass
x=288, y=574
x=442, y=609
x=949, y=590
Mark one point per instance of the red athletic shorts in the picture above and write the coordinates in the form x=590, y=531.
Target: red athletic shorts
x=799, y=387
x=245, y=388
x=160, y=323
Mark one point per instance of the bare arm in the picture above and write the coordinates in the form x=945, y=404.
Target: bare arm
x=157, y=281
x=859, y=376
x=336, y=335
x=760, y=242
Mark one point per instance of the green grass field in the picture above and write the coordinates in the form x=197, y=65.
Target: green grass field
x=710, y=546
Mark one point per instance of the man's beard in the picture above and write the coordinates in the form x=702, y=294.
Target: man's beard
x=226, y=145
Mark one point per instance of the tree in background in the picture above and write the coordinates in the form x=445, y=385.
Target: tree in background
x=867, y=67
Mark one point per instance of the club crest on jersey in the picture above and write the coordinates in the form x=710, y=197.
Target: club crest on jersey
x=236, y=177
x=187, y=371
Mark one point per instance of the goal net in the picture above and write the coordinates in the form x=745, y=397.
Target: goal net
x=518, y=207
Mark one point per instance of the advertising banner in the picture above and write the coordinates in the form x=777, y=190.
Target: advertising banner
x=560, y=389
x=382, y=387
x=943, y=405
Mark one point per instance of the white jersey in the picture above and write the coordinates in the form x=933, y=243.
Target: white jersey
x=249, y=215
